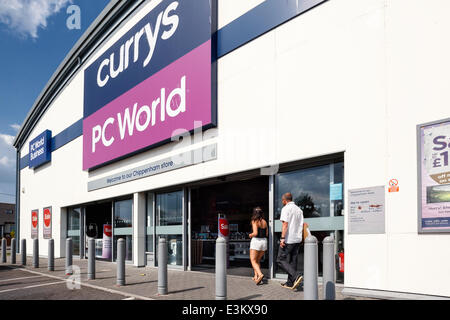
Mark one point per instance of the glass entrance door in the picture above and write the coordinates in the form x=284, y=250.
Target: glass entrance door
x=169, y=224
x=318, y=191
x=74, y=228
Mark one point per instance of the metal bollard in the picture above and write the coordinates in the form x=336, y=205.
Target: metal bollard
x=24, y=252
x=162, y=266
x=69, y=251
x=4, y=250
x=13, y=251
x=35, y=253
x=51, y=255
x=329, y=265
x=221, y=268
x=120, y=262
x=91, y=259
x=311, y=269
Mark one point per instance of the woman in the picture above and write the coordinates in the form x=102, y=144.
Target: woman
x=258, y=244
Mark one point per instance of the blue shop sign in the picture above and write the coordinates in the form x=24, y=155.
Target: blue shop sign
x=40, y=150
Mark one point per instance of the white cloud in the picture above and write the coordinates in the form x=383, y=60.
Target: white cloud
x=7, y=140
x=27, y=16
x=7, y=167
x=7, y=164
x=15, y=126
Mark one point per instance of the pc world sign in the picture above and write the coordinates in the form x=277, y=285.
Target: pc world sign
x=154, y=80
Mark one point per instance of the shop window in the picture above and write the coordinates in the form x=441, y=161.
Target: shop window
x=174, y=249
x=123, y=226
x=318, y=191
x=73, y=228
x=169, y=221
x=170, y=208
x=123, y=214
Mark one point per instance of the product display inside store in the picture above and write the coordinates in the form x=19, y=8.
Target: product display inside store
x=233, y=202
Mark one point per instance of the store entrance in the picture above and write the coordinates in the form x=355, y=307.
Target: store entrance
x=98, y=226
x=236, y=201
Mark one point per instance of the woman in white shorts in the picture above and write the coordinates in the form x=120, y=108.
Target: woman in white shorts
x=258, y=244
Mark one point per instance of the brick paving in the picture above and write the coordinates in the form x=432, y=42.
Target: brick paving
x=182, y=285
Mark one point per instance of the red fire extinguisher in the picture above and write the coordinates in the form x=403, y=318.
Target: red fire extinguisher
x=341, y=261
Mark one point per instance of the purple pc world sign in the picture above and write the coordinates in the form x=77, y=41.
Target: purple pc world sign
x=154, y=81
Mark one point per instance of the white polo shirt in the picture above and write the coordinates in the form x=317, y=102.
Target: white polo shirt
x=293, y=215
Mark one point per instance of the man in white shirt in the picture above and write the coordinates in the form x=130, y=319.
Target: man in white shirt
x=291, y=237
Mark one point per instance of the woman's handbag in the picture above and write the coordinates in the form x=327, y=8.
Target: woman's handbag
x=306, y=232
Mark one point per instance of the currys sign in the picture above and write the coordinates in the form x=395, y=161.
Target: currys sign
x=154, y=80
x=40, y=150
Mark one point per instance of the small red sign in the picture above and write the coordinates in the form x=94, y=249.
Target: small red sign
x=223, y=227
x=47, y=217
x=393, y=185
x=107, y=230
x=34, y=219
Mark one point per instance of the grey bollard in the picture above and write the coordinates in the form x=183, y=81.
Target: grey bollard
x=162, y=266
x=120, y=262
x=13, y=251
x=51, y=255
x=24, y=252
x=221, y=268
x=35, y=253
x=310, y=285
x=91, y=259
x=69, y=251
x=4, y=250
x=329, y=271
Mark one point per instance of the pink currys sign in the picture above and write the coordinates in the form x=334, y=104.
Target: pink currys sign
x=177, y=97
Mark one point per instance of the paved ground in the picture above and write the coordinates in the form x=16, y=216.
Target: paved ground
x=18, y=282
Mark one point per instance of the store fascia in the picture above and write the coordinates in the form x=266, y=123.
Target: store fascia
x=187, y=215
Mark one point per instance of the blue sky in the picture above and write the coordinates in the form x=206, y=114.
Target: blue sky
x=34, y=40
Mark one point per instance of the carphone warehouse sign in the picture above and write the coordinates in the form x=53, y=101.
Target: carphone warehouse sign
x=154, y=80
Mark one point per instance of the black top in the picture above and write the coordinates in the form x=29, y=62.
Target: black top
x=261, y=233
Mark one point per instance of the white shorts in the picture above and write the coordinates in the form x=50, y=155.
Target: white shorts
x=259, y=244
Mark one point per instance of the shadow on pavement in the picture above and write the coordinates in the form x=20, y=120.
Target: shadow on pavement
x=250, y=297
x=184, y=290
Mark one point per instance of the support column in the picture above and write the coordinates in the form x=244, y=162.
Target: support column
x=60, y=234
x=139, y=216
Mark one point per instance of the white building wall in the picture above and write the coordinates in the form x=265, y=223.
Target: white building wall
x=350, y=75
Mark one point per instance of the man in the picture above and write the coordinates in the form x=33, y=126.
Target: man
x=291, y=237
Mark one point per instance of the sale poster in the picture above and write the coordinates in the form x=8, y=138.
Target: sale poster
x=107, y=242
x=434, y=177
x=47, y=217
x=34, y=224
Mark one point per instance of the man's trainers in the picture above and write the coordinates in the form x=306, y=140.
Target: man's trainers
x=285, y=285
x=297, y=282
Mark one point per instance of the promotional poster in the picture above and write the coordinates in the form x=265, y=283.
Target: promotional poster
x=435, y=177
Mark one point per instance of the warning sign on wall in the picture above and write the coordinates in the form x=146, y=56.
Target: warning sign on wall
x=393, y=185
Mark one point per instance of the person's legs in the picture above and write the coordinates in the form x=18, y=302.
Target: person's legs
x=294, y=258
x=253, y=256
x=283, y=260
x=258, y=259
